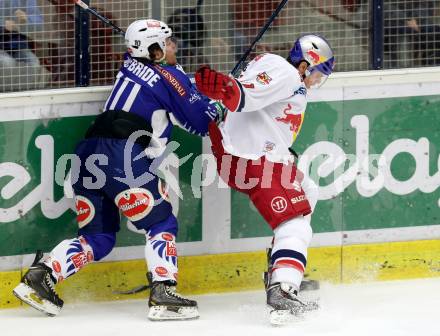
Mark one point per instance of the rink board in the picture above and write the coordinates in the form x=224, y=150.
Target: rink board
x=231, y=272
x=364, y=210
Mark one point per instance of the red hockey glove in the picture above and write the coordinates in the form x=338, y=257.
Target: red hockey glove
x=218, y=86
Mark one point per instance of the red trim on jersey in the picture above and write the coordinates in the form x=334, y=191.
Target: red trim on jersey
x=248, y=86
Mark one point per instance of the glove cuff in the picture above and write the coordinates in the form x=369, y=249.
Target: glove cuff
x=234, y=96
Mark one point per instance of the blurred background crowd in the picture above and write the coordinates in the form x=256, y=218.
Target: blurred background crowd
x=38, y=44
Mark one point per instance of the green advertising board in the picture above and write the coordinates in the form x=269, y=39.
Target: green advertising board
x=37, y=215
x=371, y=142
x=407, y=130
x=376, y=162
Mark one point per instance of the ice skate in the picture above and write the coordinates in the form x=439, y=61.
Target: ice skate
x=37, y=288
x=306, y=284
x=166, y=304
x=285, y=306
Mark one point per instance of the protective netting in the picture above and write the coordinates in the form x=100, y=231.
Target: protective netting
x=411, y=33
x=37, y=43
x=218, y=33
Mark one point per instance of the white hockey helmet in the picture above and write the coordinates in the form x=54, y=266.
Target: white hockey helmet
x=142, y=34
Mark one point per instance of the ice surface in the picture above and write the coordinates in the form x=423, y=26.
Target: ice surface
x=375, y=309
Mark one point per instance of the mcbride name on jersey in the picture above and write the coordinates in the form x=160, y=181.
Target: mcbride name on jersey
x=272, y=111
x=163, y=95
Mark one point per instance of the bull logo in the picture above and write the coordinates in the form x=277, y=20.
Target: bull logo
x=293, y=120
x=263, y=78
x=315, y=57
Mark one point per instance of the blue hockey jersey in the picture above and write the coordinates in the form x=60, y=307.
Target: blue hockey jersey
x=163, y=95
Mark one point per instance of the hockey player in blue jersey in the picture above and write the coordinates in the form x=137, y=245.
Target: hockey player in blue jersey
x=151, y=92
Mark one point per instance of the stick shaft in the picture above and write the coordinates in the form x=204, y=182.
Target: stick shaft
x=243, y=58
x=99, y=16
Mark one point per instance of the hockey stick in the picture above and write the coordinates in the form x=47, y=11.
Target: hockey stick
x=199, y=3
x=134, y=290
x=243, y=58
x=137, y=289
x=93, y=11
x=99, y=16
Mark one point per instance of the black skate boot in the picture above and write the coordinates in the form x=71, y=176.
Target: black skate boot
x=37, y=288
x=284, y=303
x=166, y=304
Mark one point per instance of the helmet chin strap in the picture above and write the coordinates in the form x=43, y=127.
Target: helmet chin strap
x=296, y=65
x=162, y=59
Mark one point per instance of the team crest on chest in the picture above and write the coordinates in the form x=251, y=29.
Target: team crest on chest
x=135, y=203
x=263, y=78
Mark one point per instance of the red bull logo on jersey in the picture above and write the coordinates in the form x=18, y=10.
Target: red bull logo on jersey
x=263, y=78
x=135, y=203
x=293, y=120
x=315, y=58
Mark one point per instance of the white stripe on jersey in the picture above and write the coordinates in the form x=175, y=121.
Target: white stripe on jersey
x=131, y=97
x=118, y=94
x=118, y=78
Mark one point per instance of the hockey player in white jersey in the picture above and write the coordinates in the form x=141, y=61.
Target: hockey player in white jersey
x=253, y=150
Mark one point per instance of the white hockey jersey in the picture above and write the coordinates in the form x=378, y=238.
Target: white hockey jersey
x=272, y=111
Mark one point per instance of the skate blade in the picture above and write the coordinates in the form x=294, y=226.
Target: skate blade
x=311, y=306
x=282, y=317
x=162, y=313
x=309, y=285
x=26, y=294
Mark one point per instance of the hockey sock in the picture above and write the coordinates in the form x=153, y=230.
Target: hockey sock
x=68, y=257
x=161, y=256
x=289, y=253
